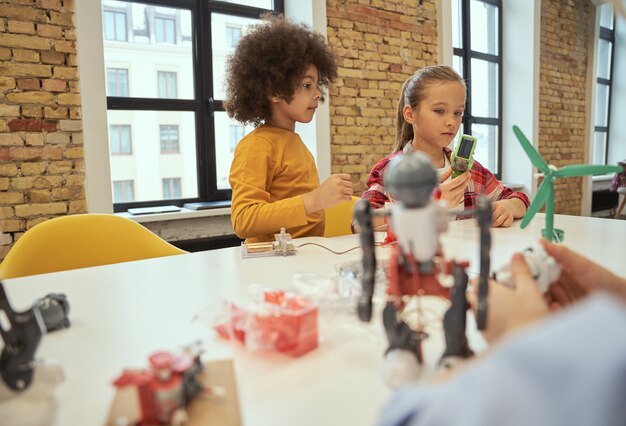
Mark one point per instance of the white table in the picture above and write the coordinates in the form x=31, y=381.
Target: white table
x=121, y=313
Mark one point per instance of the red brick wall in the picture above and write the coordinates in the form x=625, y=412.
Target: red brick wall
x=41, y=141
x=562, y=93
x=379, y=44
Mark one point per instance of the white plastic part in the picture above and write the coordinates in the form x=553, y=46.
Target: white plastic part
x=544, y=269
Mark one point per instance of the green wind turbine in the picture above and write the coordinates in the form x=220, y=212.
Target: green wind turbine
x=545, y=194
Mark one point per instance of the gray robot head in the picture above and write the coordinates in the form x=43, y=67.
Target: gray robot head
x=410, y=179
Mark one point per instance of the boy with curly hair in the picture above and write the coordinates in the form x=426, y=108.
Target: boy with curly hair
x=276, y=78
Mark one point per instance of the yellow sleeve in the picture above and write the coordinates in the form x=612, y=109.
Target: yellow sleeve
x=256, y=212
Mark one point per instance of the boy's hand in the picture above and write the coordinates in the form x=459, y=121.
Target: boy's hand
x=334, y=190
x=453, y=191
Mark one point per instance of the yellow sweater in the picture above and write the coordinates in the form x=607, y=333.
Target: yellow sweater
x=271, y=170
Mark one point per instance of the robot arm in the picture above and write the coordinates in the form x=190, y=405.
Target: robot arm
x=21, y=332
x=483, y=216
x=363, y=216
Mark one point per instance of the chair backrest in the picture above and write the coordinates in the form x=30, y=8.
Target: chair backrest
x=339, y=218
x=79, y=241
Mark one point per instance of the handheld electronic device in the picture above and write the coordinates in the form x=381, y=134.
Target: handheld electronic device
x=462, y=158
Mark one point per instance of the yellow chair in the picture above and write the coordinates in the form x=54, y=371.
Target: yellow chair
x=339, y=218
x=79, y=241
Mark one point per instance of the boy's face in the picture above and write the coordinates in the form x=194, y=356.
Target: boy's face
x=437, y=118
x=303, y=106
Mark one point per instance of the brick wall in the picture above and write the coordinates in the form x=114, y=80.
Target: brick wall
x=379, y=44
x=41, y=146
x=562, y=98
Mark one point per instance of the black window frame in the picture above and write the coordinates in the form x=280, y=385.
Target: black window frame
x=203, y=105
x=608, y=35
x=466, y=54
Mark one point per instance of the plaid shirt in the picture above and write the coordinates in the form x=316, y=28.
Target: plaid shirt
x=483, y=182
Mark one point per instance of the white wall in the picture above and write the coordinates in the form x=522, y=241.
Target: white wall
x=94, y=109
x=520, y=86
x=316, y=135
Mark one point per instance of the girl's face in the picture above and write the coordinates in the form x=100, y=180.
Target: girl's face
x=437, y=118
x=303, y=106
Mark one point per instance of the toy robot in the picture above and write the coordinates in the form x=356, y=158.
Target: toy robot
x=27, y=385
x=417, y=267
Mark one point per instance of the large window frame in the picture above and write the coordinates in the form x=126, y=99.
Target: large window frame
x=608, y=35
x=466, y=55
x=203, y=105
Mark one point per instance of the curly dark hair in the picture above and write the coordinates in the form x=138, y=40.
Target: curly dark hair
x=270, y=60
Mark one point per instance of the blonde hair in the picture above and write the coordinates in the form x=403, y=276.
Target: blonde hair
x=413, y=93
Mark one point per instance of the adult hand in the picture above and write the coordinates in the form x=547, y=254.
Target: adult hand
x=334, y=190
x=510, y=308
x=579, y=276
x=453, y=191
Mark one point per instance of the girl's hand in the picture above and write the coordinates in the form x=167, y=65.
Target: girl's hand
x=453, y=191
x=501, y=216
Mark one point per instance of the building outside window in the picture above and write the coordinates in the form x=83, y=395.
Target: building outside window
x=171, y=188
x=168, y=135
x=123, y=191
x=167, y=84
x=182, y=85
x=165, y=30
x=117, y=82
x=604, y=73
x=477, y=45
x=120, y=139
x=233, y=34
x=236, y=133
x=114, y=25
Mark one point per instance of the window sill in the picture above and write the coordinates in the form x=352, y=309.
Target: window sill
x=602, y=178
x=182, y=214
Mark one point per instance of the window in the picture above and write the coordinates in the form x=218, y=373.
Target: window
x=606, y=41
x=167, y=84
x=477, y=44
x=114, y=25
x=123, y=191
x=120, y=140
x=236, y=133
x=165, y=30
x=168, y=135
x=171, y=188
x=180, y=85
x=117, y=82
x=233, y=34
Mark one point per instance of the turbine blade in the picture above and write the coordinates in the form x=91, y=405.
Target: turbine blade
x=542, y=194
x=532, y=153
x=586, y=169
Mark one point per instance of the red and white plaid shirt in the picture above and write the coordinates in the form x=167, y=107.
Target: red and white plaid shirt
x=482, y=182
